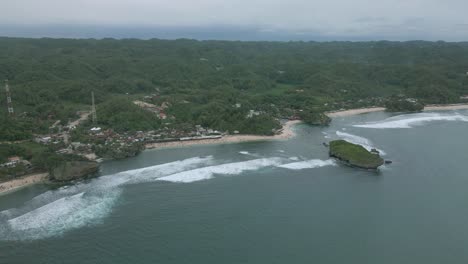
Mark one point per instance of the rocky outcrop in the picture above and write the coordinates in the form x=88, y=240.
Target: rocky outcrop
x=355, y=155
x=73, y=170
x=315, y=118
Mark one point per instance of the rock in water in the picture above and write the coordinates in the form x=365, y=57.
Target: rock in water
x=73, y=170
x=355, y=155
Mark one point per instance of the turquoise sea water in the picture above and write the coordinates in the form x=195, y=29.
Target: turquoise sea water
x=261, y=202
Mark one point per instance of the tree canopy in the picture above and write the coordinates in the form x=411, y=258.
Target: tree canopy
x=205, y=81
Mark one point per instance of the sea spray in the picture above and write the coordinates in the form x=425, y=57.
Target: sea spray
x=366, y=143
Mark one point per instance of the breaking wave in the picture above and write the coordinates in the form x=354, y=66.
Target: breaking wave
x=59, y=216
x=84, y=204
x=366, y=143
x=308, y=164
x=222, y=169
x=410, y=120
x=54, y=212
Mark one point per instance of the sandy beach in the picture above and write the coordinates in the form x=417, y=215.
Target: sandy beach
x=22, y=182
x=358, y=111
x=285, y=134
x=445, y=107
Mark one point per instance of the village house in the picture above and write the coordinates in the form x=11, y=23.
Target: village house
x=43, y=140
x=14, y=161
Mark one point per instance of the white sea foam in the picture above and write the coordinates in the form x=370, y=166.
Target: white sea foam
x=61, y=215
x=325, y=135
x=249, y=154
x=411, y=120
x=222, y=169
x=294, y=158
x=100, y=184
x=54, y=212
x=366, y=143
x=58, y=211
x=308, y=164
x=154, y=172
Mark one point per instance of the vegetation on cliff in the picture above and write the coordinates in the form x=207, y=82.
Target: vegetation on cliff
x=315, y=118
x=73, y=170
x=354, y=155
x=41, y=157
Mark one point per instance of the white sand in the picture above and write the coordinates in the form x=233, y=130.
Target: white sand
x=358, y=111
x=445, y=107
x=23, y=182
x=285, y=134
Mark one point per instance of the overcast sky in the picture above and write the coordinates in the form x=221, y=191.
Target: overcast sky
x=389, y=19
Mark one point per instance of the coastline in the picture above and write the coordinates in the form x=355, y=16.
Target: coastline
x=446, y=107
x=286, y=133
x=21, y=182
x=358, y=111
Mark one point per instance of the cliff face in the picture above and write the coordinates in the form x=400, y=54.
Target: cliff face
x=355, y=155
x=73, y=170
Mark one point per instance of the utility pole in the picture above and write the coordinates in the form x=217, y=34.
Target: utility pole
x=93, y=108
x=11, y=112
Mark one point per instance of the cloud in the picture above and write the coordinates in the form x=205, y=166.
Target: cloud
x=444, y=18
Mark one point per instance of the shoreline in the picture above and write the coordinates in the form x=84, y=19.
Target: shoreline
x=286, y=133
x=358, y=111
x=27, y=180
x=30, y=179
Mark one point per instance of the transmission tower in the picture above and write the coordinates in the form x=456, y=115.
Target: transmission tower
x=11, y=112
x=93, y=108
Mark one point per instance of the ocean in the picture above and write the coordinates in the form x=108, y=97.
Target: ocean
x=261, y=202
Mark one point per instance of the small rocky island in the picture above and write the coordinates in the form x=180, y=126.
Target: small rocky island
x=355, y=155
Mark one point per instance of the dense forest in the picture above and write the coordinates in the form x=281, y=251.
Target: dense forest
x=217, y=83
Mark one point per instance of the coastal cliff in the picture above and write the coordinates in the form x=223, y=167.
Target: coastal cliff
x=355, y=155
x=73, y=170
